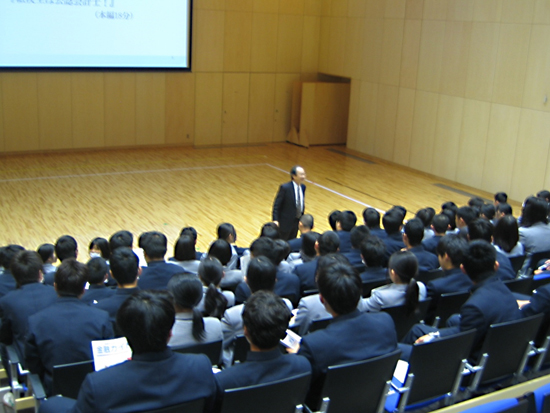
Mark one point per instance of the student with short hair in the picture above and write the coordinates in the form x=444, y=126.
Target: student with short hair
x=158, y=272
x=7, y=282
x=440, y=226
x=371, y=218
x=344, y=224
x=98, y=273
x=373, y=251
x=47, y=253
x=305, y=225
x=357, y=235
x=412, y=238
x=66, y=247
x=393, y=222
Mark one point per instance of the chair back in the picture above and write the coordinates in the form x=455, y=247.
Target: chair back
x=67, y=378
x=213, y=350
x=194, y=406
x=359, y=386
x=320, y=324
x=534, y=260
x=241, y=349
x=449, y=304
x=507, y=345
x=403, y=320
x=371, y=285
x=427, y=276
x=539, y=280
x=520, y=285
x=517, y=262
x=280, y=396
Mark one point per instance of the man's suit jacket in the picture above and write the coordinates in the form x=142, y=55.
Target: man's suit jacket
x=306, y=274
x=453, y=281
x=505, y=270
x=61, y=333
x=97, y=293
x=374, y=273
x=7, y=283
x=426, y=260
x=157, y=274
x=148, y=381
x=430, y=244
x=394, y=242
x=16, y=308
x=112, y=304
x=354, y=258
x=345, y=241
x=284, y=206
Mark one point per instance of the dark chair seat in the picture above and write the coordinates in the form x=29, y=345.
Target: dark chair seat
x=371, y=285
x=213, y=350
x=520, y=285
x=427, y=276
x=67, y=378
x=404, y=320
x=447, y=305
x=517, y=262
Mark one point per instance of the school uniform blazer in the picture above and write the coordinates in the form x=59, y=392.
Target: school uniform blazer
x=539, y=303
x=157, y=274
x=426, y=260
x=345, y=241
x=306, y=274
x=430, y=244
x=97, y=293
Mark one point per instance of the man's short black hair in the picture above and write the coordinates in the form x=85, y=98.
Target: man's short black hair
x=65, y=247
x=184, y=249
x=373, y=251
x=426, y=215
x=371, y=217
x=265, y=246
x=328, y=242
x=225, y=230
x=501, y=197
x=266, y=318
x=308, y=243
x=221, y=250
x=358, y=235
x=334, y=217
x=46, y=252
x=467, y=213
x=261, y=274
x=26, y=267
x=103, y=246
x=414, y=229
x=121, y=239
x=97, y=268
x=454, y=246
x=449, y=205
x=544, y=194
x=8, y=253
x=504, y=208
x=347, y=220
x=440, y=223
x=476, y=202
x=479, y=260
x=146, y=319
x=154, y=244
x=124, y=265
x=488, y=211
x=392, y=221
x=307, y=221
x=480, y=229
x=452, y=217
x=71, y=277
x=270, y=230
x=340, y=286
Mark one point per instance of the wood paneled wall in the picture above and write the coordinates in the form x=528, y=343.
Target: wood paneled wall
x=246, y=56
x=454, y=88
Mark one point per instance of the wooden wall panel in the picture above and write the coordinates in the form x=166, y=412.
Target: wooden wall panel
x=375, y=9
x=372, y=49
x=392, y=44
x=542, y=12
x=20, y=104
x=209, y=4
x=324, y=38
x=353, y=46
x=404, y=124
x=473, y=142
x=262, y=107
x=395, y=9
x=482, y=61
x=325, y=7
x=410, y=54
x=435, y=9
x=357, y=8
x=487, y=11
x=517, y=11
x=208, y=54
x=415, y=9
x=150, y=110
x=511, y=64
x=337, y=45
x=237, y=41
x=460, y=10
x=283, y=105
x=180, y=108
x=265, y=6
x=537, y=81
x=289, y=43
x=208, y=108
x=367, y=117
x=264, y=42
x=354, y=106
x=313, y=7
x=239, y=5
x=291, y=6
x=501, y=148
x=339, y=8
x=431, y=55
x=120, y=109
x=235, y=108
x=423, y=132
x=455, y=58
x=310, y=44
x=54, y=110
x=386, y=115
x=88, y=109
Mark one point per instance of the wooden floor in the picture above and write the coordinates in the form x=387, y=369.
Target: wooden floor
x=91, y=194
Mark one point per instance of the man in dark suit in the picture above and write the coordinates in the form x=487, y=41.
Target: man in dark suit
x=155, y=377
x=289, y=204
x=158, y=272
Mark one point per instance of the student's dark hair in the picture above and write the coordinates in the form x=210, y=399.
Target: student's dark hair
x=414, y=229
x=26, y=267
x=154, y=244
x=261, y=274
x=46, y=252
x=504, y=208
x=358, y=235
x=392, y=222
x=334, y=217
x=506, y=234
x=210, y=273
x=371, y=217
x=124, y=265
x=221, y=250
x=476, y=202
x=467, y=213
x=270, y=230
x=307, y=221
x=9, y=252
x=186, y=290
x=405, y=266
x=282, y=249
x=266, y=318
x=328, y=242
x=501, y=197
x=97, y=268
x=426, y=215
x=534, y=210
x=184, y=248
x=65, y=247
x=121, y=239
x=449, y=205
x=340, y=285
x=488, y=211
x=265, y=246
x=308, y=244
x=348, y=219
x=452, y=218
x=189, y=231
x=480, y=228
x=440, y=223
x=145, y=319
x=331, y=259
x=544, y=194
x=225, y=230
x=479, y=260
x=454, y=246
x=103, y=246
x=401, y=209
x=373, y=251
x=71, y=277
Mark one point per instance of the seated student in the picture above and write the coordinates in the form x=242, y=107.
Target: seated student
x=404, y=289
x=344, y=224
x=538, y=303
x=357, y=235
x=270, y=230
x=393, y=222
x=125, y=238
x=373, y=251
x=158, y=272
x=305, y=225
x=452, y=220
x=99, y=247
x=426, y=215
x=371, y=218
x=488, y=212
x=506, y=237
x=465, y=215
x=500, y=198
x=214, y=302
x=227, y=232
x=221, y=250
x=491, y=301
x=193, y=233
x=307, y=250
x=190, y=327
x=47, y=253
x=502, y=210
x=352, y=335
x=412, y=238
x=30, y=297
x=98, y=272
x=334, y=217
x=125, y=270
x=534, y=232
x=155, y=377
x=283, y=252
x=61, y=333
x=7, y=282
x=265, y=321
x=185, y=254
x=66, y=247
x=440, y=226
